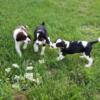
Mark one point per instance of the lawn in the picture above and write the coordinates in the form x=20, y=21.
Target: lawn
x=64, y=80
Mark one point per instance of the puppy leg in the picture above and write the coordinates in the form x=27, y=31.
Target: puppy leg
x=36, y=47
x=50, y=43
x=90, y=60
x=25, y=46
x=42, y=50
x=17, y=47
x=60, y=57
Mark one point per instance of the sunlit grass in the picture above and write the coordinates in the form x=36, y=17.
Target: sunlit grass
x=64, y=80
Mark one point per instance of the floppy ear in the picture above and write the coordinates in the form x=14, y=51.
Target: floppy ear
x=20, y=36
x=67, y=43
x=63, y=44
x=47, y=40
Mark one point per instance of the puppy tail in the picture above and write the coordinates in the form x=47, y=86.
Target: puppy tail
x=95, y=41
x=43, y=23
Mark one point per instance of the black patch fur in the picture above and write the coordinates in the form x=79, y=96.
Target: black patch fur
x=42, y=33
x=75, y=47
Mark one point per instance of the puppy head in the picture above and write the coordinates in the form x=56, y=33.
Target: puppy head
x=40, y=37
x=59, y=44
x=22, y=37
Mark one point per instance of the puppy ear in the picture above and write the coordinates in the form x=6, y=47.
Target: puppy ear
x=63, y=44
x=67, y=43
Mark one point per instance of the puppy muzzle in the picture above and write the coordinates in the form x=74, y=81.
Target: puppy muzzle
x=27, y=41
x=53, y=45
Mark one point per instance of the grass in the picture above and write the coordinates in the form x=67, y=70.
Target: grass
x=64, y=80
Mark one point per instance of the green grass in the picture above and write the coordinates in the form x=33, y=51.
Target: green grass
x=64, y=80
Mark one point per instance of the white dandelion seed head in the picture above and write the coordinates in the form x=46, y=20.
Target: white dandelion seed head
x=29, y=68
x=29, y=76
x=15, y=65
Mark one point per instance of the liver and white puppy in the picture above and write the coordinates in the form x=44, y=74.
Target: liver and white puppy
x=40, y=38
x=71, y=47
x=21, y=37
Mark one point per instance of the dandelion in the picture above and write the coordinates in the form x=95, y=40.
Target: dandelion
x=29, y=76
x=34, y=80
x=29, y=68
x=41, y=61
x=15, y=65
x=8, y=70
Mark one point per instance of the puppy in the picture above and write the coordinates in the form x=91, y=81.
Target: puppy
x=20, y=37
x=40, y=38
x=72, y=47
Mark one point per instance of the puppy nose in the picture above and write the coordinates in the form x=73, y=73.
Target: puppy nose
x=37, y=43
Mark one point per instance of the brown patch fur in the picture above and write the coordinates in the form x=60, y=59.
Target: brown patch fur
x=21, y=36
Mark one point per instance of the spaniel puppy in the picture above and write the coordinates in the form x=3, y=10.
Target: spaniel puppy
x=21, y=38
x=72, y=47
x=40, y=38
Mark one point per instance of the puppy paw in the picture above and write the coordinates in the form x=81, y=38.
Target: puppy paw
x=24, y=47
x=36, y=49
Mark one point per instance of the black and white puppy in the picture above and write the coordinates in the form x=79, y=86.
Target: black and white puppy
x=21, y=37
x=40, y=38
x=71, y=47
